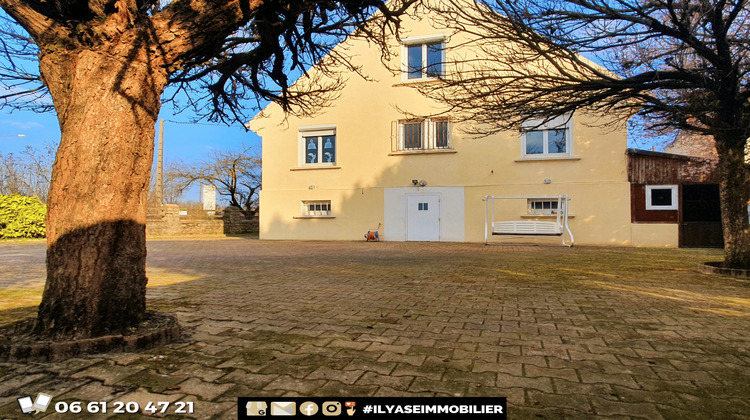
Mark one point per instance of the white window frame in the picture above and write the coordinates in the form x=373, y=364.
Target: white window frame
x=424, y=41
x=429, y=134
x=316, y=131
x=675, y=196
x=531, y=211
x=306, y=212
x=563, y=122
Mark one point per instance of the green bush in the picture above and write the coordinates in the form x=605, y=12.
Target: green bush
x=21, y=217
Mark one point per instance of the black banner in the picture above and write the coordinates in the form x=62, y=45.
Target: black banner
x=374, y=408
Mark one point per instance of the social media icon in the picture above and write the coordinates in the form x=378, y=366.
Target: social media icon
x=285, y=408
x=42, y=402
x=256, y=408
x=350, y=407
x=27, y=406
x=331, y=408
x=308, y=408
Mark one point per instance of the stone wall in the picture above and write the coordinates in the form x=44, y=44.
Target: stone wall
x=235, y=222
x=170, y=223
x=167, y=221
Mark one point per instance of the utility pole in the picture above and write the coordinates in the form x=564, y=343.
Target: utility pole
x=160, y=166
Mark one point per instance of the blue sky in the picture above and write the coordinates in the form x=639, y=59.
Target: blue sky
x=183, y=140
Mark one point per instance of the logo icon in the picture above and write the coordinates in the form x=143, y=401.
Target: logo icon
x=41, y=403
x=308, y=408
x=350, y=407
x=256, y=408
x=27, y=406
x=331, y=408
x=285, y=408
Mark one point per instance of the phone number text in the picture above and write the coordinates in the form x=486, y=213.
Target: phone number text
x=120, y=407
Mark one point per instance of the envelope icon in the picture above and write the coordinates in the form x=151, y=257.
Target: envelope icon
x=283, y=408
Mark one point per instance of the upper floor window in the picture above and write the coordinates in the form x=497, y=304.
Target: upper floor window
x=317, y=146
x=546, y=142
x=424, y=57
x=541, y=139
x=424, y=134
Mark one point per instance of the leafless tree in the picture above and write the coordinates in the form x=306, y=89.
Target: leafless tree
x=104, y=66
x=234, y=173
x=173, y=187
x=679, y=65
x=28, y=172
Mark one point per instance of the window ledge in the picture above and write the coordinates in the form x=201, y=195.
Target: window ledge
x=546, y=158
x=312, y=168
x=313, y=217
x=543, y=216
x=422, y=152
x=423, y=80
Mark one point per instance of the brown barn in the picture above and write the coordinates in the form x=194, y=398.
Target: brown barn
x=671, y=188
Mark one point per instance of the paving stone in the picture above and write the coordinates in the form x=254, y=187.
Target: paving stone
x=462, y=376
x=348, y=344
x=509, y=381
x=450, y=362
x=244, y=391
x=634, y=409
x=108, y=372
x=379, y=347
x=204, y=390
x=693, y=376
x=340, y=389
x=573, y=402
x=603, y=378
x=11, y=385
x=345, y=376
x=398, y=383
x=561, y=373
x=151, y=381
x=426, y=385
x=564, y=387
x=370, y=338
x=415, y=360
x=195, y=370
x=440, y=319
x=657, y=397
x=287, y=383
x=252, y=380
x=385, y=391
x=371, y=366
x=285, y=368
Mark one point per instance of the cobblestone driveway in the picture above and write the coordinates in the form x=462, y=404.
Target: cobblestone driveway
x=579, y=333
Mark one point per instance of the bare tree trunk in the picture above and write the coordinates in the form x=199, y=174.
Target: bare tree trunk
x=734, y=190
x=107, y=104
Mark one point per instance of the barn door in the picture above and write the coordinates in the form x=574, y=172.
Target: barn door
x=701, y=217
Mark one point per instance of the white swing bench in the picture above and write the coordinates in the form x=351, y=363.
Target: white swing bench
x=558, y=227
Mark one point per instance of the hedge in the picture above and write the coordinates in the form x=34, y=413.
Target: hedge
x=21, y=217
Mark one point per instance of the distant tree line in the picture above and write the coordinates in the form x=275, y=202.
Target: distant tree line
x=235, y=173
x=28, y=172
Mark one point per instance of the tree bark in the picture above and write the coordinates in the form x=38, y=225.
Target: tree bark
x=107, y=102
x=734, y=191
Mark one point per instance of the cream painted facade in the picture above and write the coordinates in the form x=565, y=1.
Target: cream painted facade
x=370, y=181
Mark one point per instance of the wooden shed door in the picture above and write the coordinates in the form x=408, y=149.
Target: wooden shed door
x=701, y=217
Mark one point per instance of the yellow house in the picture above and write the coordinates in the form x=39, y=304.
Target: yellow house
x=362, y=164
